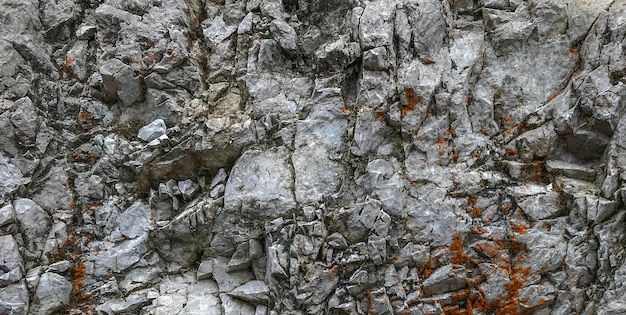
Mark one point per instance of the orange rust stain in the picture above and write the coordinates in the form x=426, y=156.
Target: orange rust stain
x=427, y=272
x=411, y=101
x=488, y=249
x=79, y=276
x=456, y=249
x=474, y=212
x=505, y=208
x=510, y=152
x=459, y=296
x=519, y=229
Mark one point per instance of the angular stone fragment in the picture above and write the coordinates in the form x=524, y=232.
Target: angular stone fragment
x=14, y=299
x=255, y=291
x=9, y=59
x=571, y=170
x=380, y=302
x=34, y=221
x=139, y=277
x=202, y=298
x=546, y=250
x=228, y=281
x=537, y=295
x=10, y=257
x=187, y=188
x=337, y=55
x=59, y=267
x=135, y=221
x=12, y=276
x=121, y=257
x=89, y=186
x=56, y=13
x=537, y=143
x=205, y=270
x=53, y=291
x=445, y=279
x=217, y=31
x=376, y=25
x=119, y=82
x=272, y=8
x=11, y=178
x=25, y=118
x=241, y=258
x=152, y=131
x=85, y=31
x=55, y=194
x=285, y=35
x=270, y=57
x=371, y=134
x=541, y=206
x=76, y=60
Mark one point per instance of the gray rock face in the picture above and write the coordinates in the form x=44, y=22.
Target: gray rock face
x=152, y=131
x=11, y=262
x=34, y=221
x=54, y=192
x=119, y=82
x=11, y=176
x=269, y=187
x=285, y=35
x=134, y=221
x=25, y=118
x=14, y=298
x=319, y=157
x=445, y=279
x=254, y=291
x=53, y=291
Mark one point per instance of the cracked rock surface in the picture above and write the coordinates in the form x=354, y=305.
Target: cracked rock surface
x=312, y=157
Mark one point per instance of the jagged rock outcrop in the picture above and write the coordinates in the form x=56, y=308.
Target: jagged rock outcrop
x=312, y=157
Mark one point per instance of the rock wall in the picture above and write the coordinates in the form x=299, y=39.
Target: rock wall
x=312, y=157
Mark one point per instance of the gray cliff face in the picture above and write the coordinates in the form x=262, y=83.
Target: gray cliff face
x=312, y=157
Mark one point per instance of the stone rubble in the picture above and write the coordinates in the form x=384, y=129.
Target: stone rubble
x=312, y=157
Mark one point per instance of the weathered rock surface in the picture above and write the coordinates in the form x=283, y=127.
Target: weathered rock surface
x=312, y=157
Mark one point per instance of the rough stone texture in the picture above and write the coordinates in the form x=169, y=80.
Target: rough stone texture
x=152, y=131
x=118, y=82
x=53, y=291
x=260, y=183
x=312, y=157
x=14, y=299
